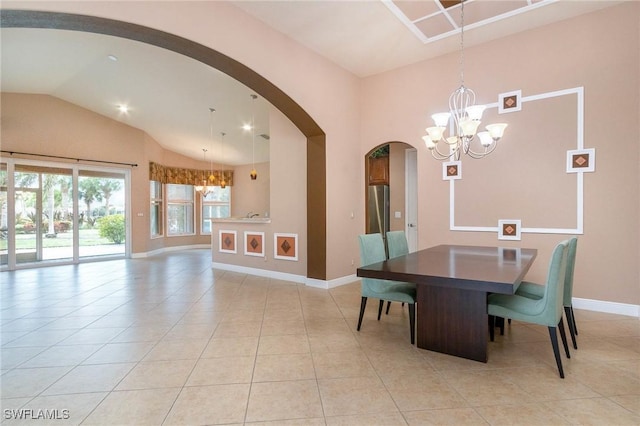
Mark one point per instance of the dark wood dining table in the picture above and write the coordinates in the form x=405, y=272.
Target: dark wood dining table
x=452, y=284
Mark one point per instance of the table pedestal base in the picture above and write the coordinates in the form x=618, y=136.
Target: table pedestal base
x=452, y=321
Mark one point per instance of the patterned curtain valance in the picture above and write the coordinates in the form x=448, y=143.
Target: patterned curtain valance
x=178, y=175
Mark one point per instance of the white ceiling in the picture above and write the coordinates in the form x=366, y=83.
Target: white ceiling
x=169, y=95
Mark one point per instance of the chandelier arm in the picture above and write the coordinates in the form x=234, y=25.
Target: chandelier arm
x=478, y=155
x=440, y=156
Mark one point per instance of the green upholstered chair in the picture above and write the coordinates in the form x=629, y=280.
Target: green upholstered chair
x=536, y=291
x=372, y=250
x=396, y=246
x=544, y=311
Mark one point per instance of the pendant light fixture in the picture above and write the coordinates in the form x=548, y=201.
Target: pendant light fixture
x=466, y=119
x=223, y=182
x=254, y=173
x=201, y=186
x=212, y=177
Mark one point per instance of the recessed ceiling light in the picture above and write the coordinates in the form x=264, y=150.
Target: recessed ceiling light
x=114, y=58
x=246, y=127
x=123, y=109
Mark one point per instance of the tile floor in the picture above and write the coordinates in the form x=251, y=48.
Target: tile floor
x=168, y=341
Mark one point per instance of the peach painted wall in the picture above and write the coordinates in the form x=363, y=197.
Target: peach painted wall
x=250, y=195
x=526, y=176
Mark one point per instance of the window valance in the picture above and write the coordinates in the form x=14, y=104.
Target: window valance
x=181, y=176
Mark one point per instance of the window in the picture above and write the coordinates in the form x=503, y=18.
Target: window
x=215, y=205
x=180, y=211
x=155, y=214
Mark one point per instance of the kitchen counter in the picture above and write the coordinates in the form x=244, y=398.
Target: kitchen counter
x=242, y=220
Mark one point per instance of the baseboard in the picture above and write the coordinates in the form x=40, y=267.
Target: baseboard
x=605, y=306
x=156, y=252
x=300, y=279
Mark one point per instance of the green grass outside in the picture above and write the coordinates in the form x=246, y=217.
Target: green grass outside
x=88, y=237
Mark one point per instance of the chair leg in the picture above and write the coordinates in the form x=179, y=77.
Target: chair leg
x=412, y=321
x=556, y=350
x=363, y=304
x=500, y=324
x=492, y=326
x=573, y=320
x=388, y=306
x=380, y=309
x=563, y=334
x=567, y=312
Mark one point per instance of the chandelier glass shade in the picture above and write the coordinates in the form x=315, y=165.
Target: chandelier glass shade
x=464, y=118
x=254, y=173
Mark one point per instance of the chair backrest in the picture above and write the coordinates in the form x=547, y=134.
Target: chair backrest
x=568, y=277
x=372, y=251
x=397, y=244
x=554, y=290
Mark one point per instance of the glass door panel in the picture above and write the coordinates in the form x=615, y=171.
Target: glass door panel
x=57, y=214
x=28, y=215
x=4, y=216
x=101, y=206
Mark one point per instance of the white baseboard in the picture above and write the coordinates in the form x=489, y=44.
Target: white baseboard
x=605, y=306
x=260, y=272
x=168, y=249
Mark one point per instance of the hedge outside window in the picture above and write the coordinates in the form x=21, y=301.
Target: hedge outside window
x=180, y=209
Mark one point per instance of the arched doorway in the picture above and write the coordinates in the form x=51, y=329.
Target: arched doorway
x=390, y=190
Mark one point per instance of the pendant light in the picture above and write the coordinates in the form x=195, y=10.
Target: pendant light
x=223, y=182
x=254, y=173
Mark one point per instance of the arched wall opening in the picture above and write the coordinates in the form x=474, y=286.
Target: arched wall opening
x=316, y=138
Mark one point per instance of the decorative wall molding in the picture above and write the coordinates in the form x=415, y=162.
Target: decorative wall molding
x=579, y=228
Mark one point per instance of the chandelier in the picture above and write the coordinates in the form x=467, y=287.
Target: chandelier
x=466, y=120
x=205, y=187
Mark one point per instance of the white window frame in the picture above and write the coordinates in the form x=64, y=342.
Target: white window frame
x=180, y=202
x=159, y=201
x=204, y=204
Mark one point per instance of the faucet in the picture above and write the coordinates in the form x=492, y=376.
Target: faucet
x=252, y=215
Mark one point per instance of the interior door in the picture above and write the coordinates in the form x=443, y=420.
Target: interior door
x=411, y=198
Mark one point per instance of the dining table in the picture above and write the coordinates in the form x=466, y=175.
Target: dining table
x=452, y=285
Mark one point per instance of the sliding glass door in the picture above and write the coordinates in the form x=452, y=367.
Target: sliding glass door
x=63, y=213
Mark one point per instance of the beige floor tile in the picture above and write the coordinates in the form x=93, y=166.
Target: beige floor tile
x=285, y=313
x=190, y=331
x=521, y=414
x=284, y=344
x=26, y=382
x=593, y=411
x=270, y=368
x=90, y=378
x=157, y=374
x=92, y=336
x=134, y=407
x=485, y=387
x=120, y=352
x=171, y=350
x=231, y=346
x=342, y=342
x=433, y=393
x=355, y=395
x=219, y=404
x=40, y=338
x=448, y=416
x=238, y=329
x=332, y=365
x=217, y=371
x=607, y=380
x=380, y=419
x=277, y=327
x=284, y=400
x=604, y=350
x=150, y=333
x=630, y=402
x=57, y=356
x=13, y=357
x=294, y=422
x=69, y=409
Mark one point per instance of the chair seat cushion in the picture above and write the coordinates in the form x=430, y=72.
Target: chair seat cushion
x=530, y=290
x=394, y=291
x=520, y=308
